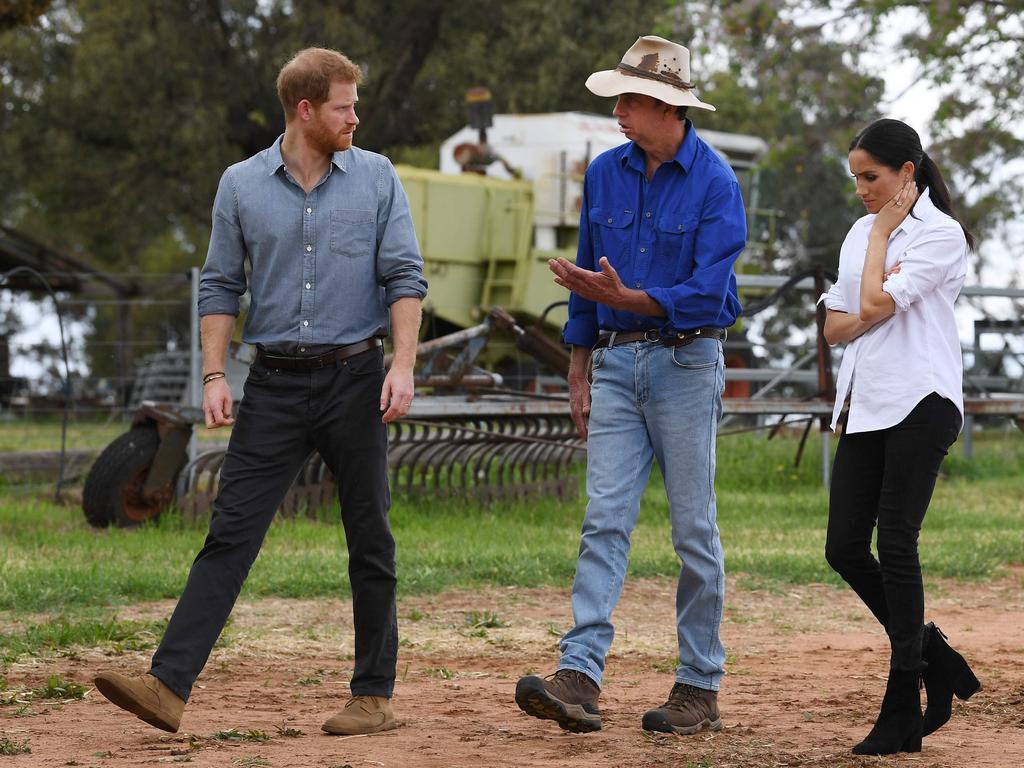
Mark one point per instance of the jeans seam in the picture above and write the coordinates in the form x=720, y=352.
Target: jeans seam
x=720, y=587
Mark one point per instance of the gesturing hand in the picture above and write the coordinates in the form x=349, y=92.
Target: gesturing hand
x=604, y=287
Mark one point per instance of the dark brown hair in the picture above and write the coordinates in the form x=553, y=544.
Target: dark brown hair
x=893, y=143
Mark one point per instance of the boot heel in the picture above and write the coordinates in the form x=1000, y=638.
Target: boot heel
x=967, y=684
x=912, y=744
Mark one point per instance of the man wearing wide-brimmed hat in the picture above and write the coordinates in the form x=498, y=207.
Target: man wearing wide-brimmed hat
x=652, y=292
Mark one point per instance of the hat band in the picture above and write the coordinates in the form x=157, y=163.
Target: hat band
x=675, y=82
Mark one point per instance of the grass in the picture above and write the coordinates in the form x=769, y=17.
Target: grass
x=772, y=517
x=63, y=632
x=11, y=747
x=84, y=431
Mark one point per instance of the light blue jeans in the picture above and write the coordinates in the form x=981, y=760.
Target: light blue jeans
x=652, y=402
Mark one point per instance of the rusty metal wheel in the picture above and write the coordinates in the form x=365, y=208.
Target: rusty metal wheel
x=113, y=488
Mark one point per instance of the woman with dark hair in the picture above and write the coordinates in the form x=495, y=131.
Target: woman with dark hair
x=901, y=269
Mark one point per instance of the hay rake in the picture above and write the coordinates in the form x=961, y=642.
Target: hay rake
x=467, y=438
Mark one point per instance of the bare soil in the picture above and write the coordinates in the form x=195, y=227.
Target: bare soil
x=806, y=675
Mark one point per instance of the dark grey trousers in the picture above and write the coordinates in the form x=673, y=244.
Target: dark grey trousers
x=284, y=416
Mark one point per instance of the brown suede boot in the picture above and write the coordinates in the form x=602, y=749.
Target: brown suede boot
x=568, y=697
x=362, y=714
x=689, y=709
x=145, y=696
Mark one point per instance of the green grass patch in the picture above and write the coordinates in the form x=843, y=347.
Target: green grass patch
x=12, y=747
x=58, y=688
x=772, y=516
x=233, y=734
x=95, y=432
x=63, y=632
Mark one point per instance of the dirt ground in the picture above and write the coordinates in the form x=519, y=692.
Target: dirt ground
x=806, y=674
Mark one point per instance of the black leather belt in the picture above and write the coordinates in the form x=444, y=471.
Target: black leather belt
x=320, y=361
x=680, y=339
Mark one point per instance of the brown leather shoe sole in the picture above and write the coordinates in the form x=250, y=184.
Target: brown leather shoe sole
x=656, y=720
x=125, y=699
x=533, y=698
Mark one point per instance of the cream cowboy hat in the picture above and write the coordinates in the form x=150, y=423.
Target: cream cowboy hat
x=653, y=66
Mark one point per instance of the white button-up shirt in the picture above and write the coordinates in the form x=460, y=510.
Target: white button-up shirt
x=894, y=365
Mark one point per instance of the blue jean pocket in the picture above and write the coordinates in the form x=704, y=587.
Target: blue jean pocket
x=697, y=355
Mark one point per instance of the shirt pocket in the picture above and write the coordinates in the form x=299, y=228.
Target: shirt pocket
x=677, y=233
x=612, y=230
x=353, y=232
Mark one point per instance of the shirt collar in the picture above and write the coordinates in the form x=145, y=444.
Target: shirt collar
x=684, y=157
x=924, y=210
x=275, y=161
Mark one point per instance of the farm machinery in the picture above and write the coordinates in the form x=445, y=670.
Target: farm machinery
x=492, y=316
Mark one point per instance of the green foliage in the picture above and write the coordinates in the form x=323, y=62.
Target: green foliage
x=58, y=688
x=63, y=632
x=12, y=747
x=484, y=620
x=233, y=734
x=970, y=51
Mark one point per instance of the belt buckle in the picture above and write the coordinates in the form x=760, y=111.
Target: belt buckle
x=652, y=334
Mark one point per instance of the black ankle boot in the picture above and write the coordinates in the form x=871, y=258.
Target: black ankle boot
x=898, y=728
x=947, y=674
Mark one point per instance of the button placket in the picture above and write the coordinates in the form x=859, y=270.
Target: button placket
x=309, y=241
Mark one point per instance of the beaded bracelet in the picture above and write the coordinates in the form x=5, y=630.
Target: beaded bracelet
x=213, y=376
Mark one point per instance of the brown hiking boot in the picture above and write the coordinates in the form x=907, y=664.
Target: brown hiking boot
x=689, y=709
x=568, y=697
x=362, y=714
x=145, y=696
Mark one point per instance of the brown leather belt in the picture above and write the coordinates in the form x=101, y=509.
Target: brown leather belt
x=320, y=361
x=680, y=339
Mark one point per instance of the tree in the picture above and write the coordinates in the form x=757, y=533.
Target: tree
x=806, y=96
x=970, y=50
x=15, y=13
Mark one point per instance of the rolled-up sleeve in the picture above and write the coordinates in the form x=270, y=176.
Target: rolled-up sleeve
x=399, y=262
x=222, y=280
x=926, y=265
x=833, y=299
x=581, y=329
x=721, y=236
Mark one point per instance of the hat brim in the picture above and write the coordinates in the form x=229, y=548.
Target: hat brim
x=612, y=82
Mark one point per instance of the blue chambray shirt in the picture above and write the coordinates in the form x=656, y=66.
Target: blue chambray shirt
x=325, y=266
x=676, y=237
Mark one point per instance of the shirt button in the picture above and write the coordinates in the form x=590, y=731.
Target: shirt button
x=643, y=250
x=310, y=210
x=308, y=286
x=638, y=285
x=309, y=248
x=305, y=323
x=302, y=349
x=611, y=220
x=648, y=214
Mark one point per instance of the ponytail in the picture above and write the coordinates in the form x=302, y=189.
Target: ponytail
x=928, y=175
x=893, y=143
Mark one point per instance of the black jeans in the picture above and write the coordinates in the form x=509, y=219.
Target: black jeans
x=887, y=476
x=283, y=416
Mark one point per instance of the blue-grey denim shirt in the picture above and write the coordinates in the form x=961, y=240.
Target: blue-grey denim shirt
x=325, y=266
